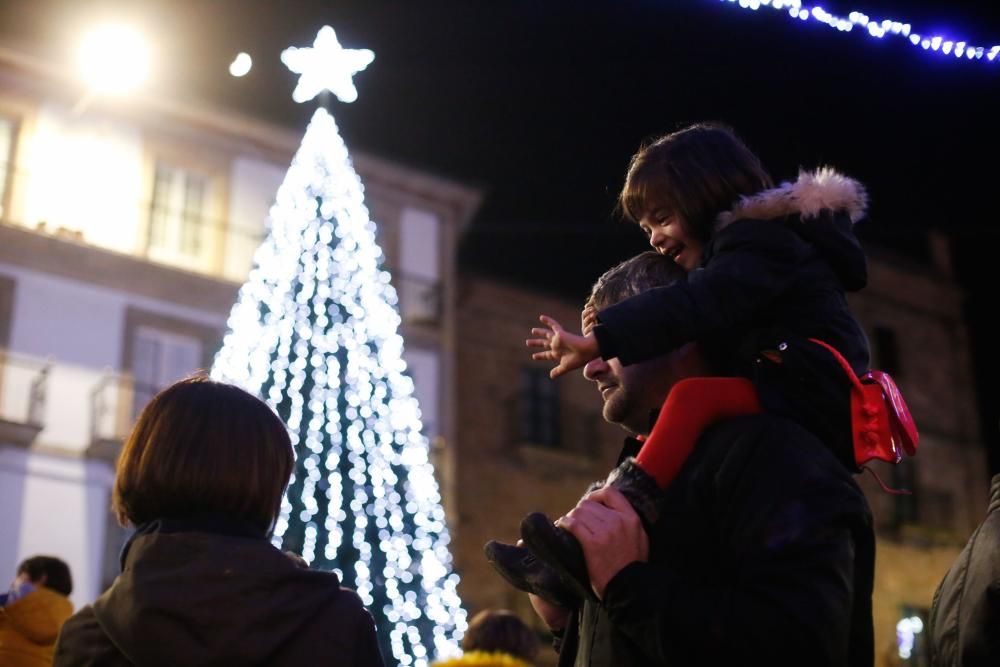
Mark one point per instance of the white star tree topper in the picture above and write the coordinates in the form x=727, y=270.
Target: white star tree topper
x=326, y=66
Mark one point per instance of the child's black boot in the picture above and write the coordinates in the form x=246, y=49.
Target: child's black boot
x=561, y=551
x=525, y=572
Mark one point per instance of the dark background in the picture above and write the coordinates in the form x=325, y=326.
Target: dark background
x=542, y=103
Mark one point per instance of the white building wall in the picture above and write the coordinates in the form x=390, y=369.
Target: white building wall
x=52, y=500
x=92, y=174
x=80, y=329
x=84, y=173
x=55, y=506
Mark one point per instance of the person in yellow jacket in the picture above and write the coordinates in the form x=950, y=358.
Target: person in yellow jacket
x=496, y=638
x=33, y=611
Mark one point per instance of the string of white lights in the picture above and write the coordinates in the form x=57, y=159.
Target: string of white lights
x=315, y=332
x=315, y=329
x=877, y=28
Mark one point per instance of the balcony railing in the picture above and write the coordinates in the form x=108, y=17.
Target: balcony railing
x=92, y=411
x=111, y=409
x=23, y=389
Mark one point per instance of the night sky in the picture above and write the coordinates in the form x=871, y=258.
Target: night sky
x=542, y=103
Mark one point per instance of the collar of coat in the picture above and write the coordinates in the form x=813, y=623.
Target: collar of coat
x=811, y=193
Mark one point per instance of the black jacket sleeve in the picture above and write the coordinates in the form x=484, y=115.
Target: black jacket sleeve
x=747, y=266
x=368, y=653
x=780, y=588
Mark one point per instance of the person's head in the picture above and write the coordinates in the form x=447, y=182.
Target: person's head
x=500, y=631
x=677, y=185
x=631, y=393
x=203, y=448
x=47, y=571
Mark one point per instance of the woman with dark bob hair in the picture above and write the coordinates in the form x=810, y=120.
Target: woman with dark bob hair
x=201, y=479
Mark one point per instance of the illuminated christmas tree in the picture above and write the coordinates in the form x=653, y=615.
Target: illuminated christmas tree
x=315, y=334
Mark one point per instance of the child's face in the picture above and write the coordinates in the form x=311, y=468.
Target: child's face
x=668, y=235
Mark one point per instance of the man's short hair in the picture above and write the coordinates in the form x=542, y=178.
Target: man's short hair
x=203, y=448
x=638, y=274
x=500, y=631
x=54, y=570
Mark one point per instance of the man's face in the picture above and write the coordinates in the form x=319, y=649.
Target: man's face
x=631, y=393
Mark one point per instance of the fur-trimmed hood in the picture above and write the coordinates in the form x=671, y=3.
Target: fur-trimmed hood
x=813, y=192
x=821, y=207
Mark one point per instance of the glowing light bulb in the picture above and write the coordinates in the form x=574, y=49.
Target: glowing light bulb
x=241, y=64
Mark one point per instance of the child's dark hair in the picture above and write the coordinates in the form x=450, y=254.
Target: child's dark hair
x=500, y=631
x=697, y=173
x=52, y=572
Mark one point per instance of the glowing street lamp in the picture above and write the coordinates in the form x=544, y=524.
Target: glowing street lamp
x=113, y=60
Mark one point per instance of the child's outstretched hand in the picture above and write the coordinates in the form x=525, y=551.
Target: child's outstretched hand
x=570, y=351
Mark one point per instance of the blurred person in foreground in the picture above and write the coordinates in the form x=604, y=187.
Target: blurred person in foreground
x=964, y=623
x=201, y=479
x=33, y=610
x=496, y=638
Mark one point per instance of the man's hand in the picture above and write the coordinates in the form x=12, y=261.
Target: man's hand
x=552, y=615
x=610, y=532
x=568, y=350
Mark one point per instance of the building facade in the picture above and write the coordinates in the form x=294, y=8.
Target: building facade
x=913, y=314
x=127, y=228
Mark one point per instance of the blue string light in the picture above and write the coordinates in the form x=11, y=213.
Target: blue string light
x=876, y=29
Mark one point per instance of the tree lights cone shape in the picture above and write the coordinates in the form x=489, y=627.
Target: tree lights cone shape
x=314, y=333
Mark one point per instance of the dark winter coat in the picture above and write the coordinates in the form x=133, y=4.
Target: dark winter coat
x=780, y=261
x=764, y=555
x=197, y=596
x=965, y=615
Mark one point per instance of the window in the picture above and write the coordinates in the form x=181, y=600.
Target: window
x=887, y=351
x=424, y=367
x=419, y=275
x=160, y=349
x=539, y=408
x=8, y=130
x=178, y=221
x=158, y=359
